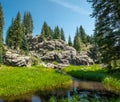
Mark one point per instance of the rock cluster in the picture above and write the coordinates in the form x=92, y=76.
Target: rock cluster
x=58, y=50
x=48, y=51
x=14, y=59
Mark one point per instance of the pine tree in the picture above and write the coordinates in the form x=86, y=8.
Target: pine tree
x=28, y=23
x=82, y=34
x=70, y=41
x=24, y=44
x=9, y=39
x=14, y=33
x=62, y=34
x=17, y=34
x=107, y=28
x=51, y=32
x=1, y=34
x=77, y=41
x=57, y=33
x=45, y=32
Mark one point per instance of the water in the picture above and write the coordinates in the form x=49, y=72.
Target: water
x=84, y=89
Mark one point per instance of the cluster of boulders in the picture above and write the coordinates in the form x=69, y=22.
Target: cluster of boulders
x=13, y=58
x=48, y=51
x=58, y=50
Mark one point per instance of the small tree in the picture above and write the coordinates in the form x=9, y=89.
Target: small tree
x=45, y=32
x=70, y=41
x=62, y=34
x=77, y=41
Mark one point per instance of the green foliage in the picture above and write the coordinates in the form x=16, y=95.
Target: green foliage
x=14, y=33
x=28, y=23
x=1, y=34
x=45, y=32
x=82, y=34
x=55, y=63
x=35, y=61
x=20, y=80
x=77, y=43
x=9, y=36
x=70, y=41
x=24, y=44
x=62, y=34
x=57, y=33
x=107, y=28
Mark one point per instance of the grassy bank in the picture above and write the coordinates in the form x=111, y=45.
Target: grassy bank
x=16, y=81
x=96, y=73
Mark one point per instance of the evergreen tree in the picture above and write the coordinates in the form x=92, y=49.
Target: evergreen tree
x=1, y=34
x=17, y=34
x=82, y=34
x=24, y=44
x=107, y=28
x=9, y=39
x=28, y=23
x=14, y=33
x=77, y=41
x=62, y=34
x=51, y=32
x=45, y=32
x=70, y=41
x=57, y=33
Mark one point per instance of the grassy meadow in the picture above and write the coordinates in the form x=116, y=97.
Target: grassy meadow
x=96, y=73
x=20, y=80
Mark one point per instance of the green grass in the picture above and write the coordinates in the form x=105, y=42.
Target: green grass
x=96, y=73
x=16, y=80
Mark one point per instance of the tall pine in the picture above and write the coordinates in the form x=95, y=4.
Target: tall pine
x=1, y=34
x=24, y=44
x=46, y=31
x=107, y=28
x=57, y=34
x=82, y=34
x=62, y=34
x=14, y=33
x=28, y=23
x=9, y=36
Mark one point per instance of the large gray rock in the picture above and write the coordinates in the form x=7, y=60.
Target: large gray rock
x=57, y=50
x=14, y=59
x=53, y=50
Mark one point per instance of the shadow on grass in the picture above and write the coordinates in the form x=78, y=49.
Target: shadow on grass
x=88, y=75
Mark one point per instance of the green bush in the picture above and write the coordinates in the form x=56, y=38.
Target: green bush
x=35, y=61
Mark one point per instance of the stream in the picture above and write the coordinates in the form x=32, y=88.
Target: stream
x=83, y=89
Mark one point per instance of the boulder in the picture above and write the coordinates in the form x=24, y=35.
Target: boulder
x=58, y=66
x=58, y=50
x=15, y=59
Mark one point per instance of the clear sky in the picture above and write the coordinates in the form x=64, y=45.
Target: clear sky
x=67, y=14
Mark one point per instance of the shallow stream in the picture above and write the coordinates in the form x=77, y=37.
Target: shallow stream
x=83, y=89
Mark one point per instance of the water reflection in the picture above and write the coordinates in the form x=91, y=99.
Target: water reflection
x=36, y=99
x=1, y=100
x=81, y=88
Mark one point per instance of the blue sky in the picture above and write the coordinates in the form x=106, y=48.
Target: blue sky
x=67, y=14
